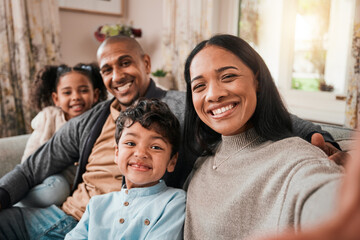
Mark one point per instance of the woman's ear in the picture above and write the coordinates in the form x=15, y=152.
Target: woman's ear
x=172, y=163
x=55, y=98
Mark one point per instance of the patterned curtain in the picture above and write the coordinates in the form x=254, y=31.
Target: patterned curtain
x=353, y=97
x=186, y=23
x=29, y=39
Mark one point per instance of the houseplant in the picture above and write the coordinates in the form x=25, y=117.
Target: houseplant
x=108, y=30
x=163, y=78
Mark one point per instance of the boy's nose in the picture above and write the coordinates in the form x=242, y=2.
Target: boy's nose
x=141, y=153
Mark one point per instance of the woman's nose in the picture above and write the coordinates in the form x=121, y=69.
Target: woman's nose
x=214, y=92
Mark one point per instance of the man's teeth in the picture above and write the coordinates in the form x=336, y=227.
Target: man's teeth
x=223, y=109
x=125, y=87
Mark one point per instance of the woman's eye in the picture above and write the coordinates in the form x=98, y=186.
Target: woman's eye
x=228, y=76
x=198, y=87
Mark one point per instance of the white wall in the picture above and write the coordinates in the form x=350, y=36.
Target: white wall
x=78, y=43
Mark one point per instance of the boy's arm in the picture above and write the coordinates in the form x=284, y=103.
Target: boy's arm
x=81, y=229
x=171, y=223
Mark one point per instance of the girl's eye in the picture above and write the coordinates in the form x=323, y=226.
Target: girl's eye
x=66, y=93
x=84, y=90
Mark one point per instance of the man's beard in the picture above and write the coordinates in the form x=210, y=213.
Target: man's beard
x=135, y=98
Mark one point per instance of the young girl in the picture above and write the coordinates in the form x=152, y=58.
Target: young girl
x=61, y=93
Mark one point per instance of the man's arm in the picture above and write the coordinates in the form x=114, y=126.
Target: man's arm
x=318, y=137
x=306, y=129
x=62, y=150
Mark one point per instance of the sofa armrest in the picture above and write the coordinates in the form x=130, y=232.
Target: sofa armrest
x=11, y=151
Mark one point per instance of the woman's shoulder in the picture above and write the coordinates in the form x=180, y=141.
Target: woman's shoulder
x=297, y=145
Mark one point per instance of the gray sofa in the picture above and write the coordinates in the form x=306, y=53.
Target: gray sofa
x=12, y=148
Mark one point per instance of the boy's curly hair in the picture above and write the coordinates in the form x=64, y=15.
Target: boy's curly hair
x=151, y=114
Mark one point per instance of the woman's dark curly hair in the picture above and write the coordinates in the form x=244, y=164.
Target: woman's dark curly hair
x=47, y=80
x=151, y=114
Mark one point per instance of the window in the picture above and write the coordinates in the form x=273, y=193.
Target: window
x=306, y=45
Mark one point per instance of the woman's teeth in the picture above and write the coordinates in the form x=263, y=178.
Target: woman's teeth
x=222, y=110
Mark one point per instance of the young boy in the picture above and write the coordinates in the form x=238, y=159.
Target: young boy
x=147, y=138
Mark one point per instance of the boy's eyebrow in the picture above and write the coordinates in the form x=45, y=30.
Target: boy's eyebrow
x=153, y=137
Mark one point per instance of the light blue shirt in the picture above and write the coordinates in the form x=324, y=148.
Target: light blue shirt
x=156, y=212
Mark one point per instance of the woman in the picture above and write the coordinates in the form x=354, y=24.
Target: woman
x=254, y=176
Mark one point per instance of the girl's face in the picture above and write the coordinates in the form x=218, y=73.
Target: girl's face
x=75, y=94
x=223, y=90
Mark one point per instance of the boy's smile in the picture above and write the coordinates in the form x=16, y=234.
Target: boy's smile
x=143, y=156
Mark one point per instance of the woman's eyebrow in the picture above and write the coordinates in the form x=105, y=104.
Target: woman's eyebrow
x=225, y=68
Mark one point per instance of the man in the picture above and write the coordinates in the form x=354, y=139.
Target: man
x=88, y=140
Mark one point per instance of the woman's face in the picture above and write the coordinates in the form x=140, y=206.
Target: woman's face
x=223, y=90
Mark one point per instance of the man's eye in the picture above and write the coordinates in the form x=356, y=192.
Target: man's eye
x=105, y=71
x=125, y=63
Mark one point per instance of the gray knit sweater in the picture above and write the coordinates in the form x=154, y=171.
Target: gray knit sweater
x=258, y=187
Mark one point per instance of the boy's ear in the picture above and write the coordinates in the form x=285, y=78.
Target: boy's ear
x=172, y=163
x=55, y=98
x=116, y=154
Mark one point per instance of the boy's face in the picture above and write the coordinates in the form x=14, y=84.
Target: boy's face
x=143, y=156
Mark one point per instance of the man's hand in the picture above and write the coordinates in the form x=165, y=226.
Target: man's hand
x=334, y=154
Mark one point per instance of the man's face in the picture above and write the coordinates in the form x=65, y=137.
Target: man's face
x=125, y=71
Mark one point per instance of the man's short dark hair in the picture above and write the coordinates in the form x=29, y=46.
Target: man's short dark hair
x=151, y=114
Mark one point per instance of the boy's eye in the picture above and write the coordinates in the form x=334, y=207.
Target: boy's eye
x=157, y=147
x=66, y=93
x=129, y=143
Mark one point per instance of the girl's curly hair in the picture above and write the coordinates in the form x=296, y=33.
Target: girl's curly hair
x=47, y=80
